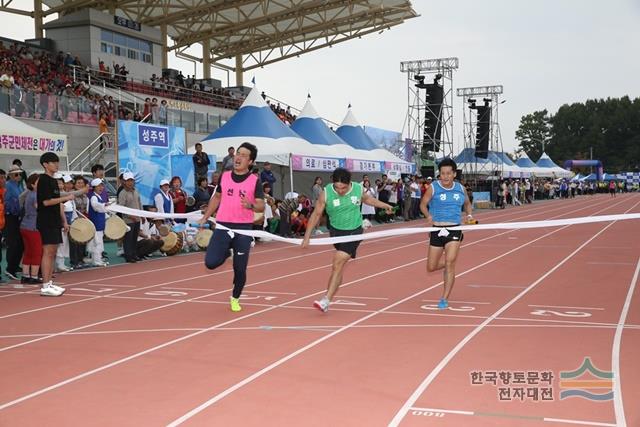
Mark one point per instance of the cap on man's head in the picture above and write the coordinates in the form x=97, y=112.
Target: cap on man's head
x=429, y=178
x=67, y=178
x=15, y=169
x=95, y=182
x=164, y=182
x=127, y=176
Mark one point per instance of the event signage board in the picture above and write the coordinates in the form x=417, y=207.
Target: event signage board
x=310, y=163
x=29, y=145
x=149, y=160
x=153, y=136
x=355, y=165
x=400, y=167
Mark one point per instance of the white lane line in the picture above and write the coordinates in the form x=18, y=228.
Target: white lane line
x=182, y=301
x=618, y=405
x=445, y=361
x=565, y=306
x=316, y=327
x=92, y=298
x=284, y=359
x=419, y=411
x=180, y=339
x=458, y=302
x=120, y=361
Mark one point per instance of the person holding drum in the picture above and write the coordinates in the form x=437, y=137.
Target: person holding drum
x=76, y=249
x=97, y=215
x=69, y=208
x=149, y=241
x=179, y=198
x=130, y=198
x=237, y=197
x=163, y=200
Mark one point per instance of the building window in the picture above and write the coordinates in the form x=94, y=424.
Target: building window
x=122, y=45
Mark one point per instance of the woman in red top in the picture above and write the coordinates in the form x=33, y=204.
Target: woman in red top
x=179, y=197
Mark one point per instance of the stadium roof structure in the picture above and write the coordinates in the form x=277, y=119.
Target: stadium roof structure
x=254, y=33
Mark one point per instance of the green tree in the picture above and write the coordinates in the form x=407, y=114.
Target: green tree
x=534, y=130
x=603, y=129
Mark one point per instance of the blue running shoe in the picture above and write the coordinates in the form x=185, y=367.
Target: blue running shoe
x=443, y=304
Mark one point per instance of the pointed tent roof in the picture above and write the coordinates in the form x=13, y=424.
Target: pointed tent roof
x=468, y=155
x=352, y=132
x=502, y=156
x=254, y=118
x=525, y=162
x=311, y=127
x=254, y=122
x=546, y=162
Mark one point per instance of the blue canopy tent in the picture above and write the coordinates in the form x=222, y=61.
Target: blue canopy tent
x=256, y=123
x=549, y=168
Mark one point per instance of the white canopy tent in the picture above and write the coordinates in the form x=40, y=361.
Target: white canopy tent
x=547, y=168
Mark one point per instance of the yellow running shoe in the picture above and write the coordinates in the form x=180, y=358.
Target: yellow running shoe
x=235, y=304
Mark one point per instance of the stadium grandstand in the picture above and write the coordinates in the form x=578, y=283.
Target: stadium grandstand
x=94, y=62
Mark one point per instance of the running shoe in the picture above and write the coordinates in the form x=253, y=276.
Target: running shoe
x=57, y=288
x=49, y=290
x=322, y=305
x=443, y=304
x=235, y=304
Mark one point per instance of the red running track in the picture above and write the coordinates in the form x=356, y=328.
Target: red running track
x=155, y=343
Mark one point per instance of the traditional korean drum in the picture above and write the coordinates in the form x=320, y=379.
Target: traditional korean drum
x=172, y=243
x=82, y=230
x=115, y=228
x=203, y=237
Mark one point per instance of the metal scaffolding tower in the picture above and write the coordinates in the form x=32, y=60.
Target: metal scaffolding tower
x=489, y=96
x=423, y=75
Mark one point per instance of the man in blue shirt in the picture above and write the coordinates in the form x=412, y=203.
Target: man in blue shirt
x=12, y=221
x=441, y=205
x=267, y=176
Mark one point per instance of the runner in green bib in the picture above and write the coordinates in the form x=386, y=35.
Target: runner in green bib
x=342, y=201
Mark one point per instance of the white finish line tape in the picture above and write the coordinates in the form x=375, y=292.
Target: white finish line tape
x=387, y=233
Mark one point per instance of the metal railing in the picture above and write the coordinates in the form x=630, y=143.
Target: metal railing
x=153, y=88
x=93, y=153
x=81, y=110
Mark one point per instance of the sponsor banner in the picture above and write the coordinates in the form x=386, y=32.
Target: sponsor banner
x=355, y=165
x=310, y=163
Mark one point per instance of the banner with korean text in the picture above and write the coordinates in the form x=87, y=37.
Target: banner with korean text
x=400, y=167
x=146, y=150
x=30, y=145
x=310, y=163
x=355, y=165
